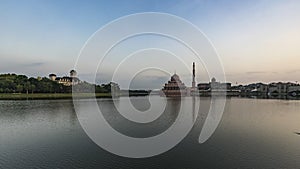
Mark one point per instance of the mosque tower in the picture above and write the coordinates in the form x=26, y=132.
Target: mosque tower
x=193, y=82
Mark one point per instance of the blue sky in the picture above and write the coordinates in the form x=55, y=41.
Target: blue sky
x=256, y=40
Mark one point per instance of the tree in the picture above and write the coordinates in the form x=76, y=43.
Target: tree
x=10, y=83
x=32, y=88
x=19, y=88
x=27, y=86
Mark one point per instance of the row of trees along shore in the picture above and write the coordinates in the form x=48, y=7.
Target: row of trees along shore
x=12, y=83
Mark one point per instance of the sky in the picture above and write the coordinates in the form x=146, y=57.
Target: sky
x=257, y=41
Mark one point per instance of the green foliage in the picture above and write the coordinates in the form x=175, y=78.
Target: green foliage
x=12, y=83
x=19, y=88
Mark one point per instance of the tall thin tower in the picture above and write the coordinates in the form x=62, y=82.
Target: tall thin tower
x=193, y=82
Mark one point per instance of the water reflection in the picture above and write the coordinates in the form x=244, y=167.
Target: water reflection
x=140, y=130
x=280, y=97
x=253, y=133
x=143, y=130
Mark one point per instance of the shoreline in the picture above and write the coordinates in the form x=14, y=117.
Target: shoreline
x=46, y=96
x=57, y=96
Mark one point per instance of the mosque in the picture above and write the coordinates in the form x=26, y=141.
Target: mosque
x=176, y=88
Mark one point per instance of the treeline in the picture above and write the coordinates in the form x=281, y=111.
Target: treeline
x=139, y=92
x=12, y=83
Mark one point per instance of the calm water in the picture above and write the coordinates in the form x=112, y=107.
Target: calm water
x=253, y=133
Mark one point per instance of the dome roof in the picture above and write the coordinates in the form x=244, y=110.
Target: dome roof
x=52, y=74
x=73, y=71
x=175, y=77
x=213, y=79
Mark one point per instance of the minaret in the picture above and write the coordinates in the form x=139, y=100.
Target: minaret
x=193, y=82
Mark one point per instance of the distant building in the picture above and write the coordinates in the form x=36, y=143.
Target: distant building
x=213, y=86
x=66, y=80
x=52, y=77
x=255, y=88
x=174, y=87
x=203, y=86
x=73, y=73
x=115, y=89
x=262, y=88
x=218, y=86
x=293, y=89
x=277, y=88
x=272, y=89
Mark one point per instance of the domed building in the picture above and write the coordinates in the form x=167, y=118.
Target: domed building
x=66, y=80
x=73, y=73
x=174, y=87
x=52, y=77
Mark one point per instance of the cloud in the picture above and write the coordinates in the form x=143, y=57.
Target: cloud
x=256, y=72
x=293, y=71
x=260, y=72
x=35, y=64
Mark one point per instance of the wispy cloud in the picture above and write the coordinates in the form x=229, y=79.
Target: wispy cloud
x=35, y=64
x=260, y=72
x=255, y=72
x=293, y=71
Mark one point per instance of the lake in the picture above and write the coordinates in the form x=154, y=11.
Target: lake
x=253, y=133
